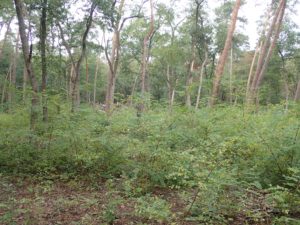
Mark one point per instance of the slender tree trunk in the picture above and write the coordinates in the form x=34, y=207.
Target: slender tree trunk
x=13, y=76
x=133, y=90
x=267, y=49
x=224, y=55
x=204, y=63
x=95, y=81
x=5, y=84
x=75, y=80
x=25, y=79
x=145, y=53
x=231, y=75
x=5, y=37
x=43, y=39
x=273, y=44
x=88, y=95
x=27, y=52
x=297, y=93
x=189, y=78
x=113, y=62
x=251, y=71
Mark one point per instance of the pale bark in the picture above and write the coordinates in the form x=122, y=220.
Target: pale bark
x=231, y=75
x=297, y=93
x=224, y=55
x=113, y=60
x=189, y=78
x=145, y=54
x=5, y=37
x=273, y=44
x=88, y=95
x=13, y=76
x=251, y=71
x=27, y=58
x=95, y=81
x=204, y=63
x=267, y=50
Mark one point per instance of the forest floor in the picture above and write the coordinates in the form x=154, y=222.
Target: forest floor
x=28, y=201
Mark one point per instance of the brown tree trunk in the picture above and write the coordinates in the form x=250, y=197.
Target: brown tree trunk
x=27, y=52
x=43, y=37
x=224, y=55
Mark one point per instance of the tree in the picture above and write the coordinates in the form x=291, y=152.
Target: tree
x=27, y=54
x=221, y=64
x=43, y=37
x=267, y=49
x=145, y=53
x=76, y=63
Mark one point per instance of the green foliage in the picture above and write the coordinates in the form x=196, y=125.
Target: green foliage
x=222, y=153
x=153, y=208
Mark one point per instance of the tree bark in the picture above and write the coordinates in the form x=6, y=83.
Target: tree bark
x=5, y=37
x=113, y=60
x=11, y=94
x=27, y=53
x=251, y=71
x=297, y=93
x=145, y=54
x=95, y=81
x=224, y=55
x=43, y=39
x=75, y=92
x=88, y=95
x=273, y=45
x=204, y=63
x=267, y=49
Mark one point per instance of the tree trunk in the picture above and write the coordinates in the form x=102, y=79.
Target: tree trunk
x=75, y=80
x=273, y=45
x=231, y=75
x=145, y=54
x=11, y=94
x=267, y=49
x=95, y=81
x=88, y=95
x=113, y=62
x=27, y=53
x=189, y=78
x=5, y=37
x=251, y=71
x=224, y=55
x=297, y=93
x=204, y=63
x=43, y=39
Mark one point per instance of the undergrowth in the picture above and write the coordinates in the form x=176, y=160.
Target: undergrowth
x=220, y=154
